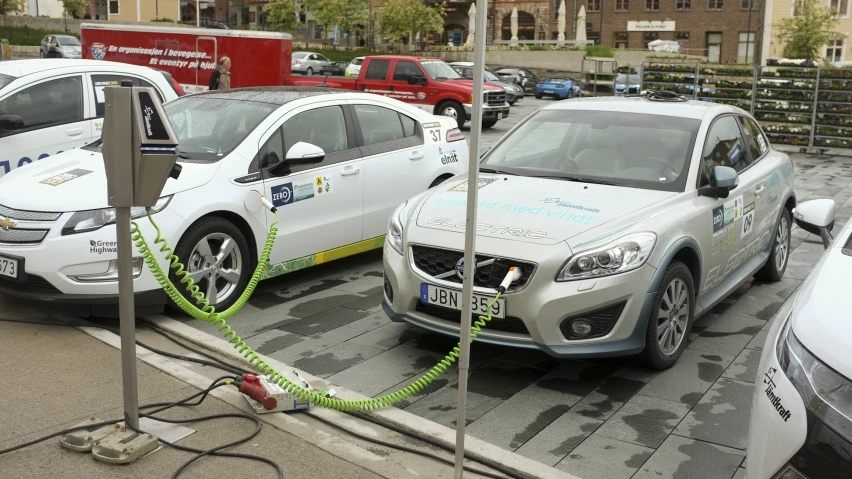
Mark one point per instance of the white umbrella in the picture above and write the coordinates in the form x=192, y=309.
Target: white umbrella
x=580, y=29
x=514, y=42
x=471, y=24
x=561, y=24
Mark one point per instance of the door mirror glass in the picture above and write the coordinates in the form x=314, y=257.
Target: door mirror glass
x=816, y=217
x=299, y=154
x=723, y=179
x=417, y=80
x=10, y=123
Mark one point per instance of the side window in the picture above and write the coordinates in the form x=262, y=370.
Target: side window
x=725, y=146
x=754, y=138
x=324, y=127
x=404, y=70
x=378, y=69
x=99, y=82
x=409, y=125
x=378, y=124
x=272, y=151
x=48, y=103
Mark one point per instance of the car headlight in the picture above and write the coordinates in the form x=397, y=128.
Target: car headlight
x=826, y=394
x=394, y=237
x=624, y=254
x=84, y=221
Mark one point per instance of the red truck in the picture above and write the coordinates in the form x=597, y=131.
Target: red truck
x=265, y=59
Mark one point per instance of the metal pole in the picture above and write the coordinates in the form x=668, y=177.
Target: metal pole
x=128, y=318
x=470, y=228
x=600, y=23
x=814, y=111
x=574, y=27
x=197, y=13
x=748, y=30
x=138, y=10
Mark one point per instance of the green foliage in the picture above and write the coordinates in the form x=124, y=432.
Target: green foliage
x=400, y=19
x=25, y=36
x=164, y=20
x=805, y=34
x=348, y=15
x=11, y=6
x=281, y=15
x=74, y=8
x=599, y=51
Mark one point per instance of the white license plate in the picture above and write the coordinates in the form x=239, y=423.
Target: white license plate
x=548, y=91
x=8, y=267
x=450, y=298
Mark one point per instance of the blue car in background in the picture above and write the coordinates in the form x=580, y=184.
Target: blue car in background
x=560, y=87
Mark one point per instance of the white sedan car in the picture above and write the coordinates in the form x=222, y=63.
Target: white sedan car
x=57, y=235
x=47, y=107
x=354, y=67
x=801, y=416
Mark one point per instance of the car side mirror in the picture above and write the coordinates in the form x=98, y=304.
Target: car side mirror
x=11, y=123
x=816, y=217
x=723, y=179
x=417, y=80
x=299, y=154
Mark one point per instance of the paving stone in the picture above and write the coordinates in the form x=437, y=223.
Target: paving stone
x=370, y=322
x=310, y=345
x=274, y=340
x=684, y=458
x=607, y=398
x=759, y=307
x=269, y=297
x=799, y=265
x=689, y=378
x=780, y=290
x=335, y=359
x=449, y=377
x=644, y=420
x=605, y=458
x=740, y=474
x=744, y=368
x=722, y=415
x=324, y=322
x=441, y=406
x=388, y=336
x=727, y=335
x=362, y=284
x=372, y=301
x=554, y=442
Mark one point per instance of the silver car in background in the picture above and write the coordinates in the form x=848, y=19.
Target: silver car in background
x=628, y=218
x=67, y=45
x=308, y=63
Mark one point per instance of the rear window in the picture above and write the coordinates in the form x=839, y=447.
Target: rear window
x=5, y=80
x=357, y=61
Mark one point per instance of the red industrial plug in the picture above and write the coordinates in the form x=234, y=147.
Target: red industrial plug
x=251, y=387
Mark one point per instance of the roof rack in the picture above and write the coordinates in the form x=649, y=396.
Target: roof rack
x=660, y=95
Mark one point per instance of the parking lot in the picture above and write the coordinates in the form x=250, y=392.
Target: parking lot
x=595, y=419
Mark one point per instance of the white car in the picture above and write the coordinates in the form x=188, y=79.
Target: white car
x=367, y=154
x=67, y=45
x=47, y=107
x=354, y=68
x=801, y=416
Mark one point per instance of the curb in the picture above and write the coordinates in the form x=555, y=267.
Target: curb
x=417, y=426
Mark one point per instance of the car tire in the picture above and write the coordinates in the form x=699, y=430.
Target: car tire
x=215, y=232
x=538, y=96
x=661, y=349
x=309, y=71
x=570, y=94
x=489, y=123
x=452, y=109
x=41, y=53
x=775, y=266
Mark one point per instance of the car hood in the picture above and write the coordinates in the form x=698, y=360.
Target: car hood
x=504, y=85
x=822, y=315
x=532, y=210
x=41, y=186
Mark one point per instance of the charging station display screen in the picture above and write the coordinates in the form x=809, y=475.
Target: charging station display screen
x=152, y=124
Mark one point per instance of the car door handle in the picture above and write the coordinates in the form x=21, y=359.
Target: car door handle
x=74, y=131
x=759, y=191
x=416, y=155
x=350, y=171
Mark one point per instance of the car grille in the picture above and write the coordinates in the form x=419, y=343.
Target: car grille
x=495, y=98
x=602, y=321
x=437, y=261
x=13, y=214
x=33, y=284
x=22, y=236
x=508, y=324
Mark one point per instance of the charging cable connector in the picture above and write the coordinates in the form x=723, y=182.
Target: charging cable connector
x=513, y=275
x=267, y=204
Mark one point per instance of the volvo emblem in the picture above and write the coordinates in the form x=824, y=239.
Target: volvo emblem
x=460, y=269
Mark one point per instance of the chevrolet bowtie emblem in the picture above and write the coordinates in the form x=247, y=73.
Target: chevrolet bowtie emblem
x=6, y=224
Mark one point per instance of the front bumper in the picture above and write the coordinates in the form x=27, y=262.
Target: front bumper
x=540, y=307
x=489, y=112
x=555, y=92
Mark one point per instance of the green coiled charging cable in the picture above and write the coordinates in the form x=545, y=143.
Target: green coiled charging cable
x=208, y=313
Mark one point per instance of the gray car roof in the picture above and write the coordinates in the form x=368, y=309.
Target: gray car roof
x=276, y=95
x=685, y=109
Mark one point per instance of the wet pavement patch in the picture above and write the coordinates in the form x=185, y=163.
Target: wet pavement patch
x=644, y=420
x=608, y=397
x=544, y=418
x=684, y=458
x=722, y=415
x=324, y=322
x=315, y=306
x=501, y=382
x=266, y=299
x=280, y=342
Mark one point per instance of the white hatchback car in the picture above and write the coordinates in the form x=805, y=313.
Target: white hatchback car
x=57, y=233
x=354, y=67
x=47, y=107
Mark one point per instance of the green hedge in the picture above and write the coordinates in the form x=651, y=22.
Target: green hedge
x=25, y=36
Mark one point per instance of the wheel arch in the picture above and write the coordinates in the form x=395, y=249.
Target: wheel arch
x=440, y=179
x=685, y=250
x=239, y=222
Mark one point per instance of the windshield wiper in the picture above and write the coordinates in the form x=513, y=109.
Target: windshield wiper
x=579, y=179
x=184, y=155
x=492, y=170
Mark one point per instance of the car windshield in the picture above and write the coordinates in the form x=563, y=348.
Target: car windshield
x=357, y=61
x=490, y=76
x=67, y=41
x=438, y=70
x=634, y=150
x=5, y=80
x=627, y=79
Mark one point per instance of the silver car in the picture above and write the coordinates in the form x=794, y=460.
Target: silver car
x=308, y=63
x=67, y=45
x=628, y=217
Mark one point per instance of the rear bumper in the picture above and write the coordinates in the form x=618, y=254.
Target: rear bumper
x=489, y=112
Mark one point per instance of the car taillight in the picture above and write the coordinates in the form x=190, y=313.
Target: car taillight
x=178, y=88
x=297, y=62
x=454, y=135
x=539, y=84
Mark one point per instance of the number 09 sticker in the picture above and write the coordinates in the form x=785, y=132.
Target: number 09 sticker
x=748, y=219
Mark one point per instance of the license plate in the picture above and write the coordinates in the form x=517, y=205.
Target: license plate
x=8, y=267
x=450, y=298
x=548, y=91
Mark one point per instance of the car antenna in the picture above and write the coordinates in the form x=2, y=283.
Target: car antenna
x=660, y=95
x=324, y=81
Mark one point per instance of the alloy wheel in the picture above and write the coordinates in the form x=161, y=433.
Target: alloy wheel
x=673, y=316
x=782, y=243
x=216, y=266
x=450, y=112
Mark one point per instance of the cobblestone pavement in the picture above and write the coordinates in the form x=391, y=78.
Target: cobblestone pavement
x=597, y=419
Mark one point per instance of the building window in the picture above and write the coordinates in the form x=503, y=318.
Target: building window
x=714, y=47
x=715, y=4
x=797, y=7
x=746, y=4
x=526, y=26
x=652, y=4
x=745, y=48
x=649, y=37
x=682, y=39
x=840, y=7
x=834, y=51
x=622, y=5
x=113, y=7
x=594, y=6
x=621, y=40
x=683, y=5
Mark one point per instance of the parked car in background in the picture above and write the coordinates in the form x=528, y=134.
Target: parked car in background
x=308, y=63
x=561, y=88
x=626, y=84
x=514, y=93
x=354, y=67
x=519, y=76
x=67, y=45
x=220, y=26
x=334, y=69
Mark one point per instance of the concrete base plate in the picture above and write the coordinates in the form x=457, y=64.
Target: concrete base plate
x=83, y=439
x=124, y=446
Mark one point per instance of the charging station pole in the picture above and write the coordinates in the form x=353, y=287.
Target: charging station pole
x=470, y=228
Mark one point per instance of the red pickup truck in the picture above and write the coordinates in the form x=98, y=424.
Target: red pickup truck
x=428, y=83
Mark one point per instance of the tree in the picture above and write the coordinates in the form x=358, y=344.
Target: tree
x=10, y=6
x=346, y=14
x=74, y=9
x=281, y=14
x=805, y=33
x=400, y=19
